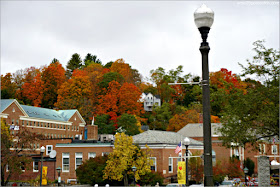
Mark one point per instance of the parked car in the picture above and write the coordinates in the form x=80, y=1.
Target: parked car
x=175, y=185
x=228, y=183
x=196, y=185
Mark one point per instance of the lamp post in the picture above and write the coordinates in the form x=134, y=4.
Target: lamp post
x=204, y=18
x=58, y=169
x=245, y=172
x=134, y=170
x=187, y=143
x=42, y=150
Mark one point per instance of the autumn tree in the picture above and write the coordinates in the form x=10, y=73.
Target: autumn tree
x=128, y=97
x=196, y=167
x=8, y=86
x=53, y=76
x=108, y=103
x=122, y=68
x=124, y=157
x=33, y=91
x=17, y=157
x=74, y=63
x=76, y=94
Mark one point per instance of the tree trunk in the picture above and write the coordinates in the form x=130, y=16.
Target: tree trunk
x=125, y=180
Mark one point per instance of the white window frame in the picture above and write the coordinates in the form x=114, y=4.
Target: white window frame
x=34, y=170
x=65, y=155
x=155, y=162
x=78, y=155
x=7, y=168
x=105, y=153
x=47, y=149
x=170, y=164
x=272, y=150
x=262, y=149
x=93, y=153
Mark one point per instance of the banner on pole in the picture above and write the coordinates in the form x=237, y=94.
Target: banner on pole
x=44, y=175
x=181, y=172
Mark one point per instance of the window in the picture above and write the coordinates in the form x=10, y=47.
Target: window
x=22, y=123
x=105, y=153
x=49, y=148
x=35, y=166
x=274, y=149
x=17, y=122
x=65, y=162
x=262, y=148
x=78, y=159
x=170, y=165
x=13, y=121
x=22, y=166
x=27, y=123
x=91, y=155
x=7, y=168
x=154, y=163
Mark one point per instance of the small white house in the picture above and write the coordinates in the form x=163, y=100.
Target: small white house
x=149, y=101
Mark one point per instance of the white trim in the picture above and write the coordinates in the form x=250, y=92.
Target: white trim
x=51, y=146
x=272, y=150
x=45, y=128
x=4, y=115
x=78, y=155
x=94, y=153
x=155, y=163
x=170, y=164
x=34, y=166
x=81, y=145
x=45, y=120
x=66, y=155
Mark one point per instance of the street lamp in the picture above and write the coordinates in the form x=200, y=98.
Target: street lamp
x=58, y=169
x=134, y=170
x=187, y=143
x=245, y=172
x=204, y=18
x=42, y=150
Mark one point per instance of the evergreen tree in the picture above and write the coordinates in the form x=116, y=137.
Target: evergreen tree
x=74, y=63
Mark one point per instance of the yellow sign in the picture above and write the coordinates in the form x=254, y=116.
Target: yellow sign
x=181, y=173
x=44, y=175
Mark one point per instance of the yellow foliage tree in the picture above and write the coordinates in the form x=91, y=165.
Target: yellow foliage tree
x=124, y=156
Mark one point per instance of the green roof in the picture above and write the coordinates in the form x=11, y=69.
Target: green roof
x=43, y=113
x=5, y=103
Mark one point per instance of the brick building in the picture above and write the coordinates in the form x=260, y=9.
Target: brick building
x=222, y=153
x=58, y=126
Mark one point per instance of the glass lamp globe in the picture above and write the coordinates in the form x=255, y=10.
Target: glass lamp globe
x=203, y=17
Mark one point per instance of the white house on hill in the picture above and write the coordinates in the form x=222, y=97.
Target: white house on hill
x=149, y=101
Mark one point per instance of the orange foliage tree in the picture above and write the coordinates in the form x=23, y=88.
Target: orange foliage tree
x=128, y=97
x=76, y=94
x=108, y=103
x=53, y=77
x=226, y=80
x=33, y=90
x=178, y=121
x=122, y=68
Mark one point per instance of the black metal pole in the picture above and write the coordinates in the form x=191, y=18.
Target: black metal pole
x=58, y=181
x=207, y=141
x=134, y=179
x=187, y=176
x=245, y=180
x=41, y=169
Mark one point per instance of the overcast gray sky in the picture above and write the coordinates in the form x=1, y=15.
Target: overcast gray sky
x=146, y=34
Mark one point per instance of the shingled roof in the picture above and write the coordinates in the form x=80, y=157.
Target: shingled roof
x=161, y=137
x=196, y=130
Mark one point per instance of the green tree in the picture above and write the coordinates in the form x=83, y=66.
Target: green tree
x=89, y=59
x=250, y=165
x=108, y=77
x=161, y=116
x=105, y=126
x=128, y=124
x=54, y=61
x=124, y=157
x=74, y=63
x=254, y=115
x=90, y=172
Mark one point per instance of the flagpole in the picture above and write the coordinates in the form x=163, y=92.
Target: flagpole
x=181, y=152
